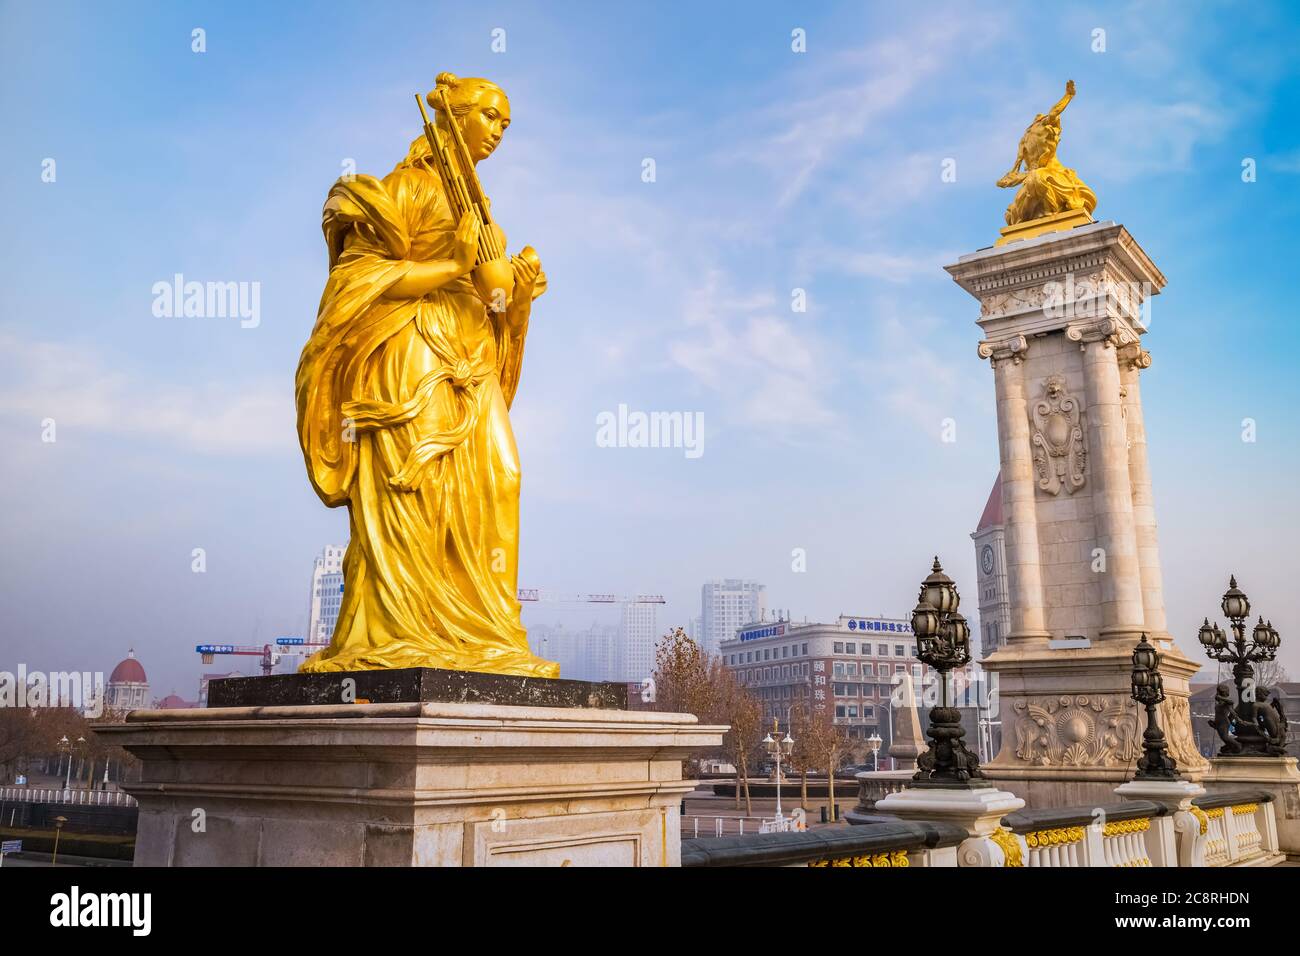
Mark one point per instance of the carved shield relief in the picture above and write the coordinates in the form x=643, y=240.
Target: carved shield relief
x=1060, y=454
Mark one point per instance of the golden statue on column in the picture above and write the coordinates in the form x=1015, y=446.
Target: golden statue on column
x=1051, y=196
x=403, y=393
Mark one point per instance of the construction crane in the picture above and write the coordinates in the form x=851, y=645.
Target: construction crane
x=269, y=653
x=542, y=594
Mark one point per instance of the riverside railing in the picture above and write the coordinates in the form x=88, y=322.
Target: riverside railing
x=72, y=796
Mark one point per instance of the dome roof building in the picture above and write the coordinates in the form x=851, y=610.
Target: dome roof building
x=128, y=685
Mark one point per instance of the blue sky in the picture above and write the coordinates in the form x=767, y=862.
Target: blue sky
x=775, y=170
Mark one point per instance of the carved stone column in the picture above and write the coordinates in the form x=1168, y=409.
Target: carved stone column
x=1024, y=579
x=1054, y=312
x=1116, y=535
x=1132, y=359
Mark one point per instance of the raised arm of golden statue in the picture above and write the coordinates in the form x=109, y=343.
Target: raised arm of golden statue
x=1050, y=196
x=403, y=392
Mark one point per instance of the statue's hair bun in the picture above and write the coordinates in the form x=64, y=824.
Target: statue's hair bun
x=447, y=81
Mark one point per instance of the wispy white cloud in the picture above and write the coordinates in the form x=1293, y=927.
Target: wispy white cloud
x=82, y=389
x=767, y=365
x=846, y=96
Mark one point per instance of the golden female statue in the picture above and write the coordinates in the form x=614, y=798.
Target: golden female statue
x=1046, y=187
x=403, y=394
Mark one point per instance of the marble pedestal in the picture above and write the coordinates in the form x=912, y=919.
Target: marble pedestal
x=978, y=810
x=410, y=784
x=1071, y=733
x=1063, y=315
x=1277, y=775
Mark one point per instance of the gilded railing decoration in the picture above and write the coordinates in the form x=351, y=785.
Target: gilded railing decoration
x=897, y=858
x=1010, y=846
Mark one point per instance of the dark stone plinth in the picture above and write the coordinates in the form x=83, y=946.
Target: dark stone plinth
x=413, y=685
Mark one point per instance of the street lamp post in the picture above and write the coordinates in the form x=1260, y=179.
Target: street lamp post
x=874, y=743
x=1250, y=728
x=1149, y=690
x=943, y=643
x=777, y=749
x=65, y=747
x=58, y=829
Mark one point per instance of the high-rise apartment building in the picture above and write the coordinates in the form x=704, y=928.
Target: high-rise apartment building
x=725, y=607
x=634, y=657
x=326, y=594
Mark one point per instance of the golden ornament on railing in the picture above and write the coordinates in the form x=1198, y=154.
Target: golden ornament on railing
x=1201, y=818
x=1242, y=809
x=893, y=859
x=1057, y=836
x=1009, y=845
x=1120, y=827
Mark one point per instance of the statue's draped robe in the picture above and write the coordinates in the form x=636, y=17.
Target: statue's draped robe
x=403, y=416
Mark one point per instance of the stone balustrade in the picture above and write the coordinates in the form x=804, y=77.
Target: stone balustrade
x=1230, y=829
x=1133, y=833
x=874, y=785
x=1237, y=828
x=882, y=844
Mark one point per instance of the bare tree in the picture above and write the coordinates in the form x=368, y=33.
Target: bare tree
x=743, y=713
x=688, y=680
x=827, y=742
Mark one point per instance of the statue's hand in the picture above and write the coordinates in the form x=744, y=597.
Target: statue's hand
x=465, y=244
x=528, y=274
x=1069, y=87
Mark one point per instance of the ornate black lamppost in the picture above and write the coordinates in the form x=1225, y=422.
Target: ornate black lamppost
x=1251, y=728
x=1149, y=690
x=943, y=642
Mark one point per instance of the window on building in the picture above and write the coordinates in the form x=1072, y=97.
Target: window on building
x=900, y=650
x=785, y=651
x=868, y=668
x=839, y=668
x=853, y=711
x=900, y=669
x=839, y=647
x=882, y=650
x=839, y=710
x=851, y=668
x=850, y=648
x=805, y=650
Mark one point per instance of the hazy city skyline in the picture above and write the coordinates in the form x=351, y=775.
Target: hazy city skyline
x=824, y=470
